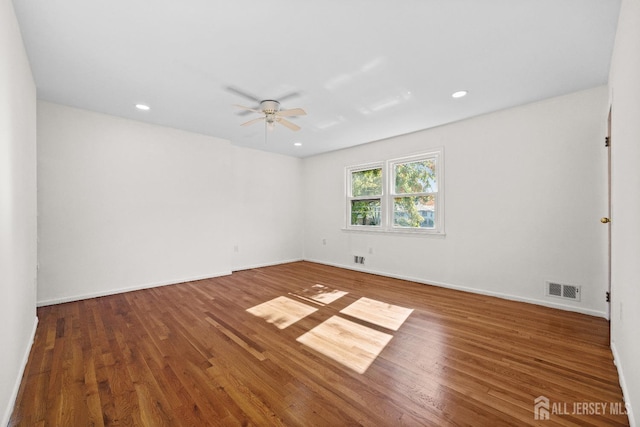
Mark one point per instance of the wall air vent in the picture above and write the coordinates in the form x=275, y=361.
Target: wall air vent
x=560, y=290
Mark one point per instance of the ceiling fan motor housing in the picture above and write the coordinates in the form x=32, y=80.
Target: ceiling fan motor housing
x=269, y=106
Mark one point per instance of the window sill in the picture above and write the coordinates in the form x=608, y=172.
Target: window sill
x=391, y=231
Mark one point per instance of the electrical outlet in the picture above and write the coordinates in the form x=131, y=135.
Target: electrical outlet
x=236, y=248
x=324, y=241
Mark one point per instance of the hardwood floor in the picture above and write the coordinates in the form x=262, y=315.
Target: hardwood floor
x=192, y=355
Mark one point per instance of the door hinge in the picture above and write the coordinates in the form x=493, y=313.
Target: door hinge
x=608, y=296
x=607, y=141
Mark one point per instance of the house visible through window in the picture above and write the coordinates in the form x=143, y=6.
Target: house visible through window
x=397, y=195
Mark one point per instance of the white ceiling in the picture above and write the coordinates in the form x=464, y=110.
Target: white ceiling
x=364, y=69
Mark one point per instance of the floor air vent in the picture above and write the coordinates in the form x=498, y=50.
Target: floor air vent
x=560, y=290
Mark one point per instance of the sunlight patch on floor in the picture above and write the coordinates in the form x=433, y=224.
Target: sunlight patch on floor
x=282, y=311
x=348, y=343
x=319, y=294
x=352, y=344
x=379, y=313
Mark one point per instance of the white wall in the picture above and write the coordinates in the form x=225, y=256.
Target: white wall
x=625, y=225
x=525, y=188
x=17, y=209
x=125, y=205
x=266, y=211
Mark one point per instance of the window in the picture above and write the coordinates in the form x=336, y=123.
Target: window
x=365, y=196
x=397, y=195
x=414, y=193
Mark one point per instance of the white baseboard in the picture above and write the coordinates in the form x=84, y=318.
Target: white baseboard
x=18, y=381
x=267, y=264
x=544, y=303
x=114, y=291
x=623, y=384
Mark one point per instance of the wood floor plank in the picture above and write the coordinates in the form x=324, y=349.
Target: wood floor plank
x=192, y=355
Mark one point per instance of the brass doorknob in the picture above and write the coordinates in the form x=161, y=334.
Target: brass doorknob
x=604, y=220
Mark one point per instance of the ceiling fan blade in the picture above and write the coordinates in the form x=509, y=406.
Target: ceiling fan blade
x=243, y=94
x=250, y=122
x=288, y=96
x=247, y=108
x=287, y=123
x=292, y=112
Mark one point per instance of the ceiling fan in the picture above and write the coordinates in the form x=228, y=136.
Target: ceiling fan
x=270, y=110
x=272, y=114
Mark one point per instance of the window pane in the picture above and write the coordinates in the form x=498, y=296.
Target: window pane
x=417, y=212
x=416, y=177
x=366, y=183
x=365, y=212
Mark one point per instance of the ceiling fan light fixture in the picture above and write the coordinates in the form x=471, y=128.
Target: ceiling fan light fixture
x=271, y=124
x=298, y=144
x=459, y=94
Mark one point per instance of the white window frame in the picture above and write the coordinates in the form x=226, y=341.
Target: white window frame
x=349, y=174
x=388, y=194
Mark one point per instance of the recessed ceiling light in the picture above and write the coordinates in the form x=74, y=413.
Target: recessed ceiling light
x=297, y=144
x=143, y=107
x=459, y=94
